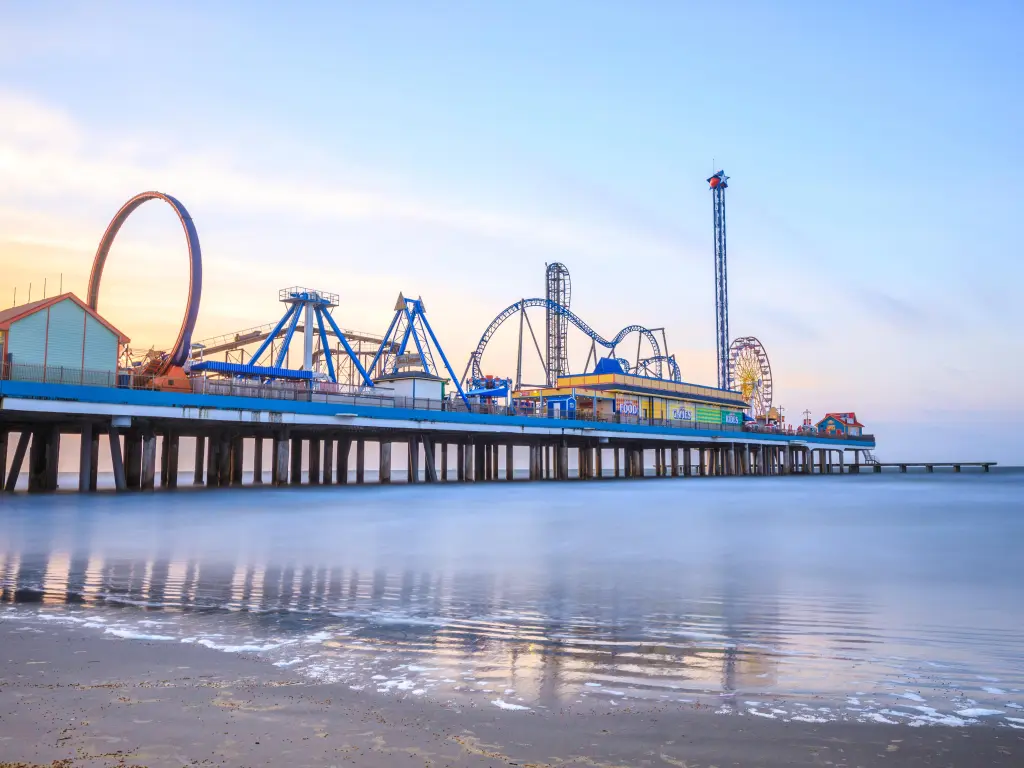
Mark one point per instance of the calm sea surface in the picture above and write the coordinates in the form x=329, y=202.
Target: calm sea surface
x=894, y=598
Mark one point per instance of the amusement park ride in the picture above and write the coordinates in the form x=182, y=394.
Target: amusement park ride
x=339, y=359
x=742, y=365
x=558, y=317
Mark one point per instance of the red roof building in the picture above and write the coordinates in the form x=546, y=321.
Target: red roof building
x=844, y=423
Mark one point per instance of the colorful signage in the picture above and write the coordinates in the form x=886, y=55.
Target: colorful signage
x=709, y=415
x=627, y=407
x=681, y=412
x=732, y=417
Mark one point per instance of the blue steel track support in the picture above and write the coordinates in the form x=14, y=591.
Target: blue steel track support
x=348, y=349
x=387, y=340
x=315, y=305
x=324, y=343
x=409, y=312
x=273, y=335
x=444, y=359
x=673, y=367
x=473, y=366
x=411, y=331
x=719, y=182
x=296, y=311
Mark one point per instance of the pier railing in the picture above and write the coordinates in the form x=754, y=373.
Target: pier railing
x=340, y=394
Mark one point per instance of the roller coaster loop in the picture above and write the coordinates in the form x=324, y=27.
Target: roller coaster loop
x=474, y=359
x=180, y=351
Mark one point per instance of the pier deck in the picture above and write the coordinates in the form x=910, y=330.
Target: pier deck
x=314, y=441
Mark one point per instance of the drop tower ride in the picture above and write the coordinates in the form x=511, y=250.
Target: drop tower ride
x=719, y=182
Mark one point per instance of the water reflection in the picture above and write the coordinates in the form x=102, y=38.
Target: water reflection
x=590, y=634
x=595, y=597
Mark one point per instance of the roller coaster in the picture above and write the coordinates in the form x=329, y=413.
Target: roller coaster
x=340, y=357
x=558, y=317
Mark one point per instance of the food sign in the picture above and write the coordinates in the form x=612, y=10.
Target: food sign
x=627, y=406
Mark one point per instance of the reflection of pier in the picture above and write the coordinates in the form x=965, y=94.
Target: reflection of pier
x=583, y=631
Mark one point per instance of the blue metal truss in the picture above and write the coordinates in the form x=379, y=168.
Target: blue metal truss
x=298, y=299
x=410, y=324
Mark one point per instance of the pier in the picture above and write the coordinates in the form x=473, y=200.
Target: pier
x=325, y=441
x=349, y=407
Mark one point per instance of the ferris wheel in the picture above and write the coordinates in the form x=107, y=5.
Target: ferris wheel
x=751, y=374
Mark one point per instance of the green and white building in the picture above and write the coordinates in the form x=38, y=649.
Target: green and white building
x=59, y=340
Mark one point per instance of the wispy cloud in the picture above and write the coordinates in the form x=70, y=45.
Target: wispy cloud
x=45, y=154
x=893, y=310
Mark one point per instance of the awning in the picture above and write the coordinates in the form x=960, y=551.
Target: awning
x=484, y=392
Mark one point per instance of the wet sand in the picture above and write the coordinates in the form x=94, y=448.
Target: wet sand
x=72, y=695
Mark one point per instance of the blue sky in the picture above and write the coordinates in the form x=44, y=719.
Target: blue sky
x=451, y=149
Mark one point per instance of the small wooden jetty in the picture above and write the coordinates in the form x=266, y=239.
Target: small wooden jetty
x=929, y=466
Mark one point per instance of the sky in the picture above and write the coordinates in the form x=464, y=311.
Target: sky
x=450, y=150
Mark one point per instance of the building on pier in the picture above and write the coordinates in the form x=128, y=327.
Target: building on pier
x=625, y=397
x=841, y=424
x=59, y=339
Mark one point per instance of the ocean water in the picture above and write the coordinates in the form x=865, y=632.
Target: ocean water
x=893, y=598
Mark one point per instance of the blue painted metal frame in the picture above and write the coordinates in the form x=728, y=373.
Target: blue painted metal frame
x=324, y=343
x=247, y=369
x=273, y=335
x=297, y=310
x=348, y=348
x=412, y=311
x=475, y=369
x=427, y=359
x=294, y=312
x=444, y=359
x=387, y=340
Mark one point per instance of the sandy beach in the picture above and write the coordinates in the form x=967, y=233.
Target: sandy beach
x=71, y=697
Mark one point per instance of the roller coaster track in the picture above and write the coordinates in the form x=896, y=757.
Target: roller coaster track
x=230, y=342
x=475, y=357
x=652, y=363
